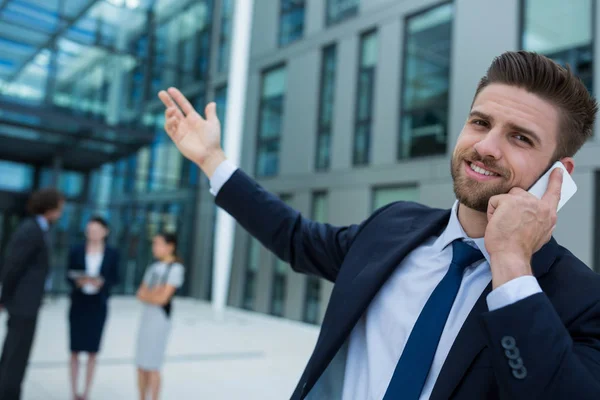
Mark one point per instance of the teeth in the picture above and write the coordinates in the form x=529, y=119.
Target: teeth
x=481, y=170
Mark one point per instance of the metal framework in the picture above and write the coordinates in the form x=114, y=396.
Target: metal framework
x=82, y=136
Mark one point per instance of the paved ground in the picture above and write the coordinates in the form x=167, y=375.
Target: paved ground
x=241, y=356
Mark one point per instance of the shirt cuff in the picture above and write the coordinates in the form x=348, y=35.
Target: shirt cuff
x=221, y=176
x=513, y=291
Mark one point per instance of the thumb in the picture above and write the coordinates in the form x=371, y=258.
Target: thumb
x=211, y=111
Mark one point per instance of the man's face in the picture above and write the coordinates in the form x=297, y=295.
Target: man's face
x=508, y=141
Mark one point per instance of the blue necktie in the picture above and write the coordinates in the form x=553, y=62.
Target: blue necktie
x=414, y=364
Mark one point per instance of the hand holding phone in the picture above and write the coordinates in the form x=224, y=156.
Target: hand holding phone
x=567, y=189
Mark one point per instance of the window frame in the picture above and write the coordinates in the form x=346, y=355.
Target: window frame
x=402, y=113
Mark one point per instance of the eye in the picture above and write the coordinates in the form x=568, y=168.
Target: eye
x=523, y=138
x=480, y=122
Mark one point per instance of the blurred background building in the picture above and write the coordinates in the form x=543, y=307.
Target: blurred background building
x=351, y=104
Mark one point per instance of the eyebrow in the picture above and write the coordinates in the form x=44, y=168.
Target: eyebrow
x=511, y=125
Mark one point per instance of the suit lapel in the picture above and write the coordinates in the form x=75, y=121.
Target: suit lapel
x=469, y=342
x=471, y=338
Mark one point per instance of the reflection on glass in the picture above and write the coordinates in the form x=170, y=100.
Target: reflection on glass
x=291, y=21
x=16, y=177
x=312, y=300
x=225, y=36
x=271, y=117
x=326, y=99
x=221, y=101
x=279, y=279
x=252, y=267
x=364, y=100
x=340, y=10
x=70, y=183
x=426, y=82
x=562, y=31
x=385, y=195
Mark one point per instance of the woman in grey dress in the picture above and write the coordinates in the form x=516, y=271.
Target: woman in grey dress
x=160, y=282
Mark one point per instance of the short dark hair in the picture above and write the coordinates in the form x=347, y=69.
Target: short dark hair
x=171, y=238
x=100, y=220
x=545, y=78
x=44, y=200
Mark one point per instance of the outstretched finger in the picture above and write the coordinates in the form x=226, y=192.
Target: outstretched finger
x=166, y=99
x=181, y=101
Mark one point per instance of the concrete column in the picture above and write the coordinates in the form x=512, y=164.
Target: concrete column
x=236, y=100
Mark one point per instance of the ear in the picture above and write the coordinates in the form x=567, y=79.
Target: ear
x=569, y=164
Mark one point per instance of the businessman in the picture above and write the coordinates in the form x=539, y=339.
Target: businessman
x=23, y=276
x=475, y=302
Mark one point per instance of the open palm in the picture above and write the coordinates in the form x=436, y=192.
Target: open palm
x=197, y=138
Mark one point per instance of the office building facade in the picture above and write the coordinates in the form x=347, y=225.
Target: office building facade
x=351, y=104
x=363, y=104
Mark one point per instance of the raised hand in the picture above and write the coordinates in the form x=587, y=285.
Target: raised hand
x=519, y=224
x=197, y=138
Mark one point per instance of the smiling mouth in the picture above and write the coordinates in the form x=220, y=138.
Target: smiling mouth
x=481, y=171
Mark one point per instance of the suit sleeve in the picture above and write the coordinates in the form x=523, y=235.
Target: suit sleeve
x=310, y=247
x=20, y=250
x=535, y=356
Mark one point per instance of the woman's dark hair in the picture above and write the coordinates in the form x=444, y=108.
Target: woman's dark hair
x=99, y=220
x=44, y=200
x=171, y=238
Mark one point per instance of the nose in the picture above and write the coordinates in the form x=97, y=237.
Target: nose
x=489, y=146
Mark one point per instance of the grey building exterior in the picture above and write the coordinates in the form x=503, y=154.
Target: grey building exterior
x=346, y=193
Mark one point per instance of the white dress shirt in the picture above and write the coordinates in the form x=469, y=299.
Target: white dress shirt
x=378, y=339
x=42, y=222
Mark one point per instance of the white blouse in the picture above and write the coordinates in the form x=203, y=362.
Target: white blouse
x=93, y=262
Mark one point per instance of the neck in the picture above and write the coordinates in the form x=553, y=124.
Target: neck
x=473, y=222
x=168, y=259
x=95, y=244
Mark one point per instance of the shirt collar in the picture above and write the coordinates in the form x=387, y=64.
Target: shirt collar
x=454, y=231
x=42, y=222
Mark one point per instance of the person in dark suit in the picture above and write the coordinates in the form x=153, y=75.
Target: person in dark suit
x=475, y=302
x=92, y=271
x=23, y=277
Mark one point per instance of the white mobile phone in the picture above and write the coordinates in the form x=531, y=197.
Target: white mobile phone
x=567, y=190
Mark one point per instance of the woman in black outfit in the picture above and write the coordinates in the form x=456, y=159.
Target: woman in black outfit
x=92, y=270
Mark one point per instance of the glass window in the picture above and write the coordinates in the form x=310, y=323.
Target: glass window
x=142, y=172
x=385, y=195
x=271, y=120
x=424, y=124
x=364, y=99
x=221, y=101
x=291, y=21
x=562, y=31
x=279, y=284
x=326, y=99
x=251, y=274
x=319, y=213
x=340, y=10
x=16, y=177
x=225, y=35
x=70, y=183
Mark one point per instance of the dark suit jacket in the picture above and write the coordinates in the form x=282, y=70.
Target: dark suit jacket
x=109, y=270
x=557, y=332
x=25, y=270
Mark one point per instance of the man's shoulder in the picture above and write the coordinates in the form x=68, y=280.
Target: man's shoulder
x=27, y=226
x=408, y=208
